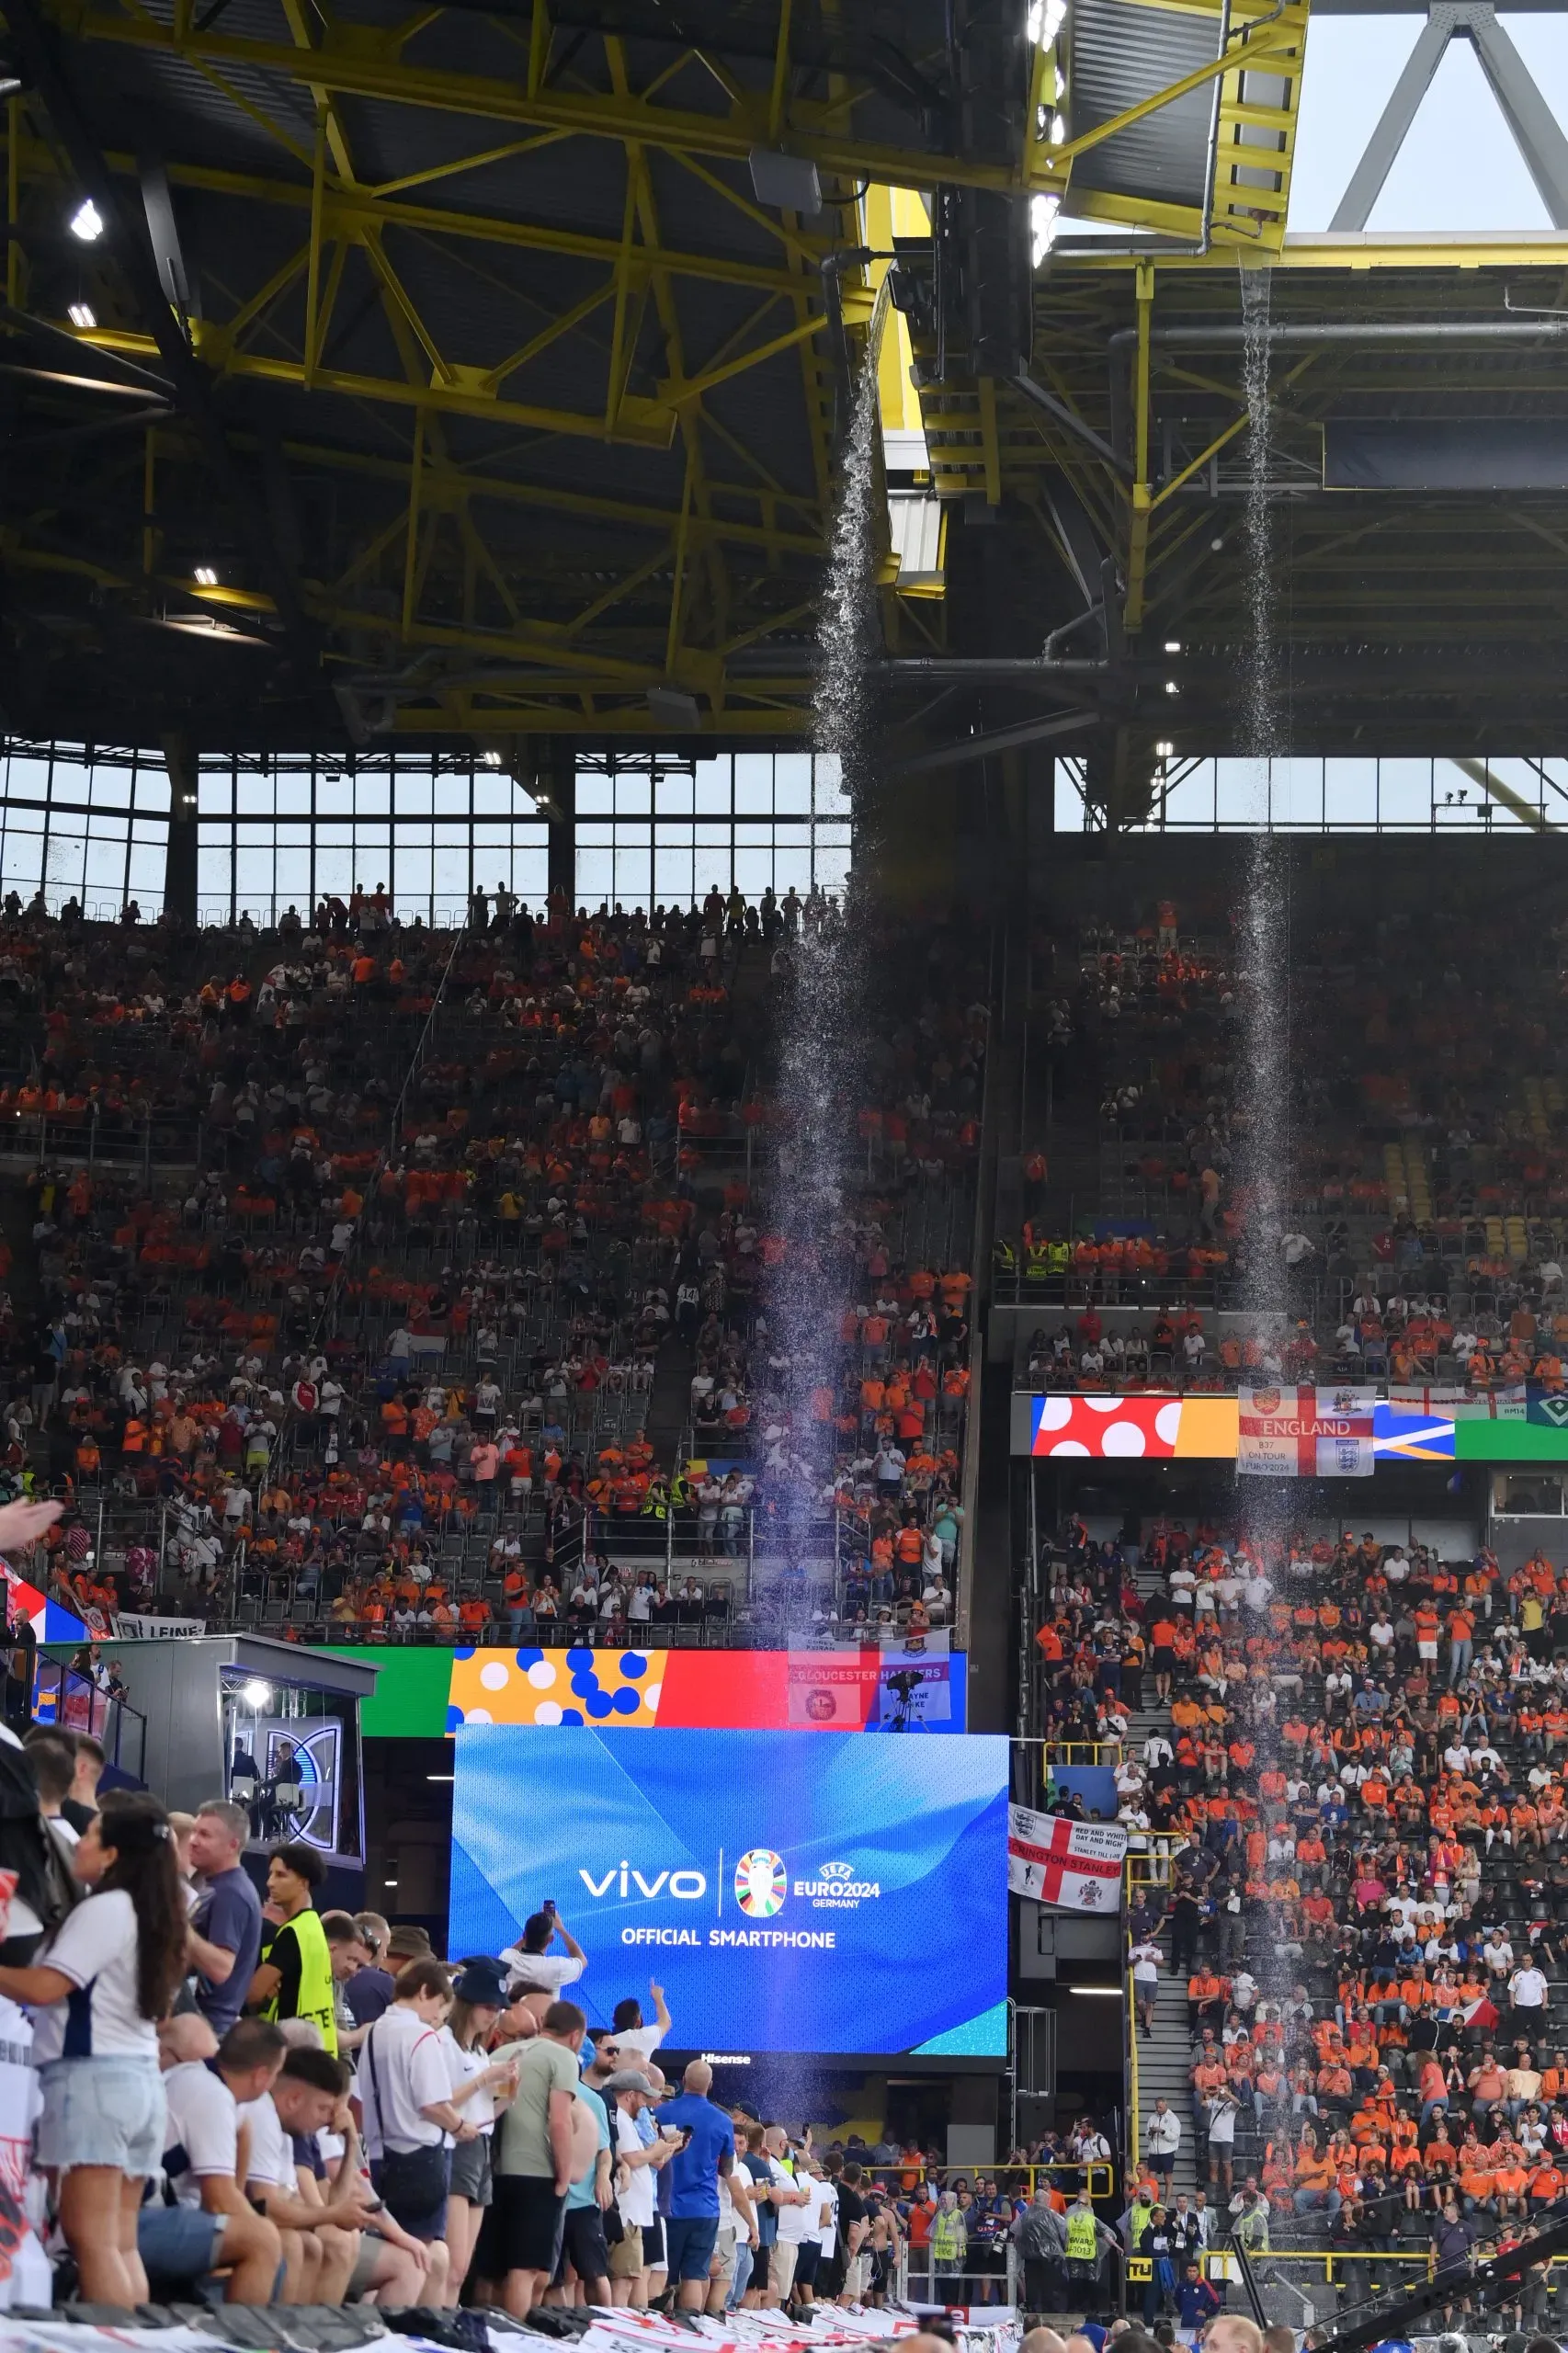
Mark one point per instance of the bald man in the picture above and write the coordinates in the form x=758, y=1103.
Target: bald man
x=1045, y=2340
x=706, y=2150
x=1232, y=2333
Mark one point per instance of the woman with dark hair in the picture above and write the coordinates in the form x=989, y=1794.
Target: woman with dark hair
x=99, y=1988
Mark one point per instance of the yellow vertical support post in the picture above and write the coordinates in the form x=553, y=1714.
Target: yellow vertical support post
x=1133, y=2122
x=781, y=72
x=1138, y=535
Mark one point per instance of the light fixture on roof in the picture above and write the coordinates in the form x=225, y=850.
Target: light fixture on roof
x=81, y=315
x=1044, y=217
x=87, y=221
x=1164, y=751
x=1173, y=645
x=205, y=577
x=492, y=760
x=256, y=1693
x=1172, y=687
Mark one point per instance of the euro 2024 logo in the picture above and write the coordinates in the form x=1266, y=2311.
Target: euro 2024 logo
x=761, y=1883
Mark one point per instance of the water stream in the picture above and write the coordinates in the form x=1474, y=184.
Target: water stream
x=820, y=1045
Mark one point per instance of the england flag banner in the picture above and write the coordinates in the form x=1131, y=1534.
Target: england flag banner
x=1074, y=1864
x=1305, y=1433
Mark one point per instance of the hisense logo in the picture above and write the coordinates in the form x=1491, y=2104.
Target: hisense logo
x=628, y=1885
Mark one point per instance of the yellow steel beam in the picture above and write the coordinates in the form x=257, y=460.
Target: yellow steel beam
x=352, y=211
x=649, y=423
x=349, y=68
x=1138, y=525
x=1543, y=249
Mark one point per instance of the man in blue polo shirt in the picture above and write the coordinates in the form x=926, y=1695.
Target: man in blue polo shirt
x=708, y=2150
x=224, y=1936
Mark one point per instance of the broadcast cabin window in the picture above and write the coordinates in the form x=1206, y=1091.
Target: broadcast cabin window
x=291, y=1754
x=1528, y=1495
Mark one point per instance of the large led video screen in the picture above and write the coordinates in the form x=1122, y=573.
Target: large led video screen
x=792, y=1891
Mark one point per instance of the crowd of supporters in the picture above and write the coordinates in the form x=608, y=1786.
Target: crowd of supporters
x=386, y=1359
x=1344, y=1762
x=1416, y=1234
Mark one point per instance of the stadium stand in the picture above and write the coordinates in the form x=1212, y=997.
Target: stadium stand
x=397, y=1285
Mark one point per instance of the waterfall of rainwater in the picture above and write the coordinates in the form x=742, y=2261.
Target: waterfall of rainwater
x=1261, y=1117
x=821, y=1044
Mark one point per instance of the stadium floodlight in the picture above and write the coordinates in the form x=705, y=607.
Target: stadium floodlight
x=205, y=577
x=87, y=221
x=256, y=1693
x=81, y=315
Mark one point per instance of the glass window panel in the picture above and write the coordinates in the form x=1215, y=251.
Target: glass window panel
x=65, y=856
x=792, y=784
x=832, y=870
x=255, y=793
x=633, y=795
x=594, y=836
x=453, y=836
x=450, y=868
x=675, y=796
x=831, y=797
x=151, y=787
x=214, y=793
x=21, y=862
x=753, y=871
x=713, y=837
x=1242, y=789
x=1404, y=793
x=149, y=829
x=672, y=874
x=711, y=788
x=415, y=795
x=25, y=821
x=1069, y=809
x=595, y=874
x=596, y=795
x=111, y=788
x=293, y=796
x=753, y=836
x=26, y=779
x=72, y=779
x=334, y=796
x=1295, y=792
x=834, y=836
x=215, y=874
x=530, y=872
x=146, y=881
x=492, y=794
x=413, y=878
x=1350, y=792
x=632, y=874
x=792, y=869
x=710, y=871
x=105, y=867
x=291, y=877
x=334, y=869
x=754, y=783
x=372, y=794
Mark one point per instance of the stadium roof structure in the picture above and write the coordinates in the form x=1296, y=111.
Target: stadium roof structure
x=472, y=372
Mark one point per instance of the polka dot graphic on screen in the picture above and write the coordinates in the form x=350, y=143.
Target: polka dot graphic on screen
x=549, y=1687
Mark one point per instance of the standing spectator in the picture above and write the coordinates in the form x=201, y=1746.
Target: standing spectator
x=637, y=2161
x=87, y=1772
x=1041, y=2240
x=478, y=1999
x=224, y=1941
x=1145, y=1959
x=691, y=2227
x=370, y=1990
x=294, y=1980
x=1162, y=2138
x=405, y=2087
x=535, y=2162
x=102, y=1982
x=531, y=1964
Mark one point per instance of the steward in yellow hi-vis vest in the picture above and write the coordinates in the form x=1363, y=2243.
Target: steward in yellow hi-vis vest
x=294, y=1980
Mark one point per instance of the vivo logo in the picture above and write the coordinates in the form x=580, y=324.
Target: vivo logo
x=687, y=1887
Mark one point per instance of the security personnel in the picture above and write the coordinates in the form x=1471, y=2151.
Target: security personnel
x=294, y=1980
x=657, y=1501
x=1083, y=2236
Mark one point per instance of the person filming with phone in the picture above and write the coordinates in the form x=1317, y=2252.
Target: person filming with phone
x=532, y=1968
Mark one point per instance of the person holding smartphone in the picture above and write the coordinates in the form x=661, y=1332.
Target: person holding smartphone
x=530, y=1965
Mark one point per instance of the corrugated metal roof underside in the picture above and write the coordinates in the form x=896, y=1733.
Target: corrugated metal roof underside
x=1122, y=53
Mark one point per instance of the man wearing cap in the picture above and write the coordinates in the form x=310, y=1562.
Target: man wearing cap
x=636, y=2163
